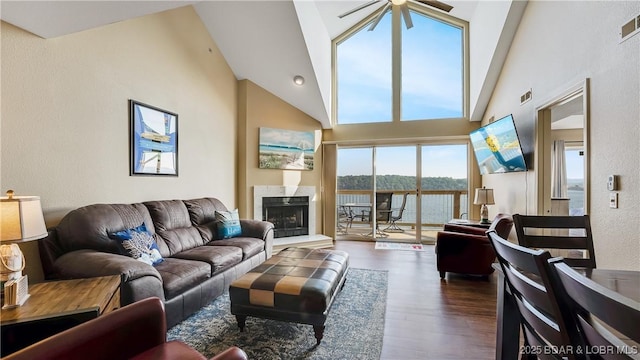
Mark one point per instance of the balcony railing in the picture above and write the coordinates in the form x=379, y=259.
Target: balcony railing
x=438, y=206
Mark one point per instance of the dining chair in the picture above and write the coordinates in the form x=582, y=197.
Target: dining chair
x=545, y=321
x=566, y=236
x=397, y=217
x=605, y=319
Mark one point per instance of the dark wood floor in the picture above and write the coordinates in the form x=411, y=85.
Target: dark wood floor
x=429, y=318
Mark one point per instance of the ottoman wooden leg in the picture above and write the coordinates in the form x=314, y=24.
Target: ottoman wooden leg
x=241, y=321
x=319, y=331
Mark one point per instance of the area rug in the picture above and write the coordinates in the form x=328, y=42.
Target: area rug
x=354, y=327
x=382, y=245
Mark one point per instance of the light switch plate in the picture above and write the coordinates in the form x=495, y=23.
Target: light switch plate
x=613, y=200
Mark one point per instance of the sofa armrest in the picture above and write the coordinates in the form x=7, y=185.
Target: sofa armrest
x=92, y=263
x=261, y=230
x=448, y=242
x=232, y=353
x=120, y=334
x=465, y=229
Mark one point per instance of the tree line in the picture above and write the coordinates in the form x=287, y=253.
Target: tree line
x=399, y=182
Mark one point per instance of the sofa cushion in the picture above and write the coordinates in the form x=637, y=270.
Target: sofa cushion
x=228, y=224
x=219, y=257
x=139, y=244
x=249, y=246
x=180, y=275
x=202, y=213
x=89, y=227
x=173, y=225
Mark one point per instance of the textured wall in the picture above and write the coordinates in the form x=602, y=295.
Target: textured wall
x=65, y=126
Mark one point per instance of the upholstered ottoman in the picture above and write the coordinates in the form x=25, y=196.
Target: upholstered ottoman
x=296, y=285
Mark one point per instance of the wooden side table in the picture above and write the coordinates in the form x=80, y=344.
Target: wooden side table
x=56, y=306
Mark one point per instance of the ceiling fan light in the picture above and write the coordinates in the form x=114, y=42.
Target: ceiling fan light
x=398, y=2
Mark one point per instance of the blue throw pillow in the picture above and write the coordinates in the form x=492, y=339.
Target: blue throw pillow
x=139, y=244
x=228, y=223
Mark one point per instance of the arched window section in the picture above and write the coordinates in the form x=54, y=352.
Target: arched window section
x=394, y=74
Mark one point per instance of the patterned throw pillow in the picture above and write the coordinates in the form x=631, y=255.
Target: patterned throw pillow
x=228, y=223
x=139, y=244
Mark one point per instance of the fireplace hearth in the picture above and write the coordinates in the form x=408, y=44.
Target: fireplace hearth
x=289, y=215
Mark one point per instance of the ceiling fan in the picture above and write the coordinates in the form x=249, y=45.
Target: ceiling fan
x=404, y=7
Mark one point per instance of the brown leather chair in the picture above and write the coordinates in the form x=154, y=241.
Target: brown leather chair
x=136, y=331
x=466, y=249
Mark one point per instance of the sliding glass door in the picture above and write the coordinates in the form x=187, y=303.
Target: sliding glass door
x=366, y=176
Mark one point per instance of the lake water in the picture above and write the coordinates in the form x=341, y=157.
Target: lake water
x=438, y=209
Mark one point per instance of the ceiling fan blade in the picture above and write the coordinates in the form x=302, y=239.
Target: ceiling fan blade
x=436, y=4
x=406, y=16
x=379, y=17
x=358, y=8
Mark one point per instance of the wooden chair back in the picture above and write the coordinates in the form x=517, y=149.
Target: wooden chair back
x=606, y=319
x=527, y=275
x=570, y=234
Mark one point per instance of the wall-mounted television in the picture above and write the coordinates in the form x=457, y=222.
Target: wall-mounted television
x=497, y=147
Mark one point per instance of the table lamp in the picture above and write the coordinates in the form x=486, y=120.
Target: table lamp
x=484, y=197
x=21, y=220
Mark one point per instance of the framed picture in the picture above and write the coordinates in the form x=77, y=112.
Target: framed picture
x=154, y=140
x=286, y=149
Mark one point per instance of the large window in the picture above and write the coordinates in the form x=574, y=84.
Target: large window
x=421, y=77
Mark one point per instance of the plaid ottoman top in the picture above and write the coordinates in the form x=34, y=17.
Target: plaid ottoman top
x=296, y=279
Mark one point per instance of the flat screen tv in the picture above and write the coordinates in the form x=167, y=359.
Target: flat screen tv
x=497, y=148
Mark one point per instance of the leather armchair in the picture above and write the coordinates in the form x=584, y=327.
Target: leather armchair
x=136, y=331
x=466, y=249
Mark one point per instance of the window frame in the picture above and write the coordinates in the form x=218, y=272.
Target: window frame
x=396, y=59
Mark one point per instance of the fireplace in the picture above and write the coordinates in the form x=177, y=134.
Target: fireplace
x=289, y=215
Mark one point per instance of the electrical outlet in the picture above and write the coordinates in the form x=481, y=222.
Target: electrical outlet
x=613, y=200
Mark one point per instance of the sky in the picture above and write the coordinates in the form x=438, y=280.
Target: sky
x=431, y=72
x=437, y=161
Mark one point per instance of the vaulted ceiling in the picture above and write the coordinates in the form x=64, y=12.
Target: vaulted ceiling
x=271, y=41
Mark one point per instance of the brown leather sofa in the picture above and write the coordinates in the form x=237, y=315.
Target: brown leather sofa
x=197, y=266
x=137, y=331
x=466, y=249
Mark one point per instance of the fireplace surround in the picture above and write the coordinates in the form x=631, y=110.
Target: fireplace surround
x=311, y=239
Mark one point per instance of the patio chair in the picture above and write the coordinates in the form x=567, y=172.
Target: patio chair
x=393, y=227
x=383, y=211
x=345, y=218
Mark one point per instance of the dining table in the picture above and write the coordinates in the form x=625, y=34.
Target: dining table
x=624, y=282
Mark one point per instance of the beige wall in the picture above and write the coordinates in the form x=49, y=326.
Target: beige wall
x=259, y=108
x=65, y=126
x=558, y=45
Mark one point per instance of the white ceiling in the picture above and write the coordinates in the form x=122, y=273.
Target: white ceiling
x=267, y=42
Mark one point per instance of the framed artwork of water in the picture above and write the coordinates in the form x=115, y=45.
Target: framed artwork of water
x=286, y=149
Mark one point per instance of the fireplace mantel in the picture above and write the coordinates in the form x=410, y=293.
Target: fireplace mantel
x=314, y=239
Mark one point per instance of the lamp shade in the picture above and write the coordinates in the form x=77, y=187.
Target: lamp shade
x=484, y=196
x=21, y=219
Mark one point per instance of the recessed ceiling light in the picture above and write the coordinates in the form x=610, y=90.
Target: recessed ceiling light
x=298, y=80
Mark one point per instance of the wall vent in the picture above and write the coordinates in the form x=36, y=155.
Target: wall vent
x=525, y=97
x=630, y=28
